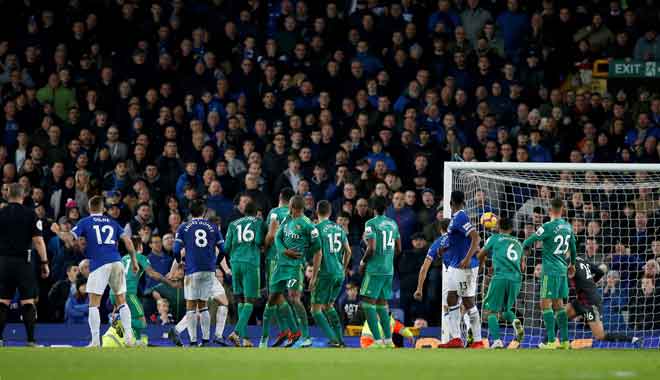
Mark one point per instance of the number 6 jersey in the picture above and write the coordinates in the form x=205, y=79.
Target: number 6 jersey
x=199, y=237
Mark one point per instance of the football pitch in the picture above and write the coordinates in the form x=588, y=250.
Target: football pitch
x=319, y=364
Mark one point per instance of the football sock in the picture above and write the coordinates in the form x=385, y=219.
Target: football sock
x=239, y=309
x=220, y=320
x=29, y=313
x=301, y=316
x=125, y=318
x=289, y=318
x=277, y=318
x=384, y=316
x=372, y=320
x=562, y=321
x=205, y=321
x=191, y=318
x=322, y=323
x=549, y=320
x=94, y=319
x=614, y=337
x=4, y=311
x=182, y=325
x=475, y=323
x=454, y=319
x=445, y=335
x=269, y=311
x=493, y=327
x=508, y=316
x=243, y=319
x=335, y=322
x=138, y=326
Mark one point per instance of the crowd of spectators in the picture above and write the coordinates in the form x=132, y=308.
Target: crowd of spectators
x=157, y=103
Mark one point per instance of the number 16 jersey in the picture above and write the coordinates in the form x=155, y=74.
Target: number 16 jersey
x=199, y=237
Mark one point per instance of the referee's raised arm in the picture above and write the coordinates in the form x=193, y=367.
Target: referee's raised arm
x=19, y=230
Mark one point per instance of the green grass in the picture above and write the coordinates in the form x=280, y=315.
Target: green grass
x=319, y=364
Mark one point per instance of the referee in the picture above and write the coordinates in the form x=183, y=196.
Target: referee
x=19, y=229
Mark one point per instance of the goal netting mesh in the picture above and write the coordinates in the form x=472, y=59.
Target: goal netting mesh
x=616, y=218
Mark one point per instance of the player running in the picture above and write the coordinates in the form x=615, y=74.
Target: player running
x=243, y=245
x=329, y=266
x=101, y=234
x=296, y=240
x=138, y=322
x=272, y=223
x=383, y=243
x=199, y=238
x=462, y=272
x=557, y=237
x=506, y=253
x=588, y=302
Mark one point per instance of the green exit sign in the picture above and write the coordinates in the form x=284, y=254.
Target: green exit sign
x=633, y=69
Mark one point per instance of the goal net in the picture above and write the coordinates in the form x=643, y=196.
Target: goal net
x=615, y=213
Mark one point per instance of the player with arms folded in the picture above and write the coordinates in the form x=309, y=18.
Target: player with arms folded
x=105, y=268
x=199, y=238
x=462, y=271
x=383, y=243
x=506, y=253
x=243, y=245
x=272, y=223
x=557, y=238
x=296, y=240
x=329, y=266
x=588, y=302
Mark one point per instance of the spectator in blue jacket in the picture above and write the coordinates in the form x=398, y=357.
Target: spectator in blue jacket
x=77, y=306
x=160, y=261
x=370, y=64
x=217, y=202
x=615, y=299
x=635, y=137
x=405, y=218
x=377, y=154
x=513, y=26
x=444, y=20
x=411, y=97
x=536, y=151
x=189, y=177
x=206, y=105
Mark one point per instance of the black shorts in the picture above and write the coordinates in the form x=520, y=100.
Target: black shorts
x=590, y=313
x=17, y=273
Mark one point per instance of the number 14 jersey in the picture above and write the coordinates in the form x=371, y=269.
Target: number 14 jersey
x=385, y=232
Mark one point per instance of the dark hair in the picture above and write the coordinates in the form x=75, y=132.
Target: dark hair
x=286, y=194
x=137, y=242
x=323, y=208
x=16, y=190
x=344, y=214
x=379, y=204
x=443, y=224
x=457, y=198
x=197, y=208
x=556, y=204
x=506, y=224
x=251, y=208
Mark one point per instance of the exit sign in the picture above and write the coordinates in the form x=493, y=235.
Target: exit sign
x=633, y=69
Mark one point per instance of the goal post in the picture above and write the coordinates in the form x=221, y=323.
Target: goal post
x=615, y=213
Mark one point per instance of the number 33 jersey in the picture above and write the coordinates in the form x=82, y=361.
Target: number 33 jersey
x=199, y=237
x=101, y=234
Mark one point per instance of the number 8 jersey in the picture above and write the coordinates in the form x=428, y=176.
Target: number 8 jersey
x=101, y=233
x=199, y=237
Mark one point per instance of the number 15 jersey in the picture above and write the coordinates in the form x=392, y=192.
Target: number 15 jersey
x=385, y=232
x=101, y=234
x=199, y=237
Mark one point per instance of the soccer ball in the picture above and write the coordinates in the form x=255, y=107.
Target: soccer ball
x=489, y=220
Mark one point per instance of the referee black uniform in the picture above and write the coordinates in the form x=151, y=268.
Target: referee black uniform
x=18, y=225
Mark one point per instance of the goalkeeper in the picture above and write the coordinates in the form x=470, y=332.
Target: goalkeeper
x=399, y=331
x=587, y=302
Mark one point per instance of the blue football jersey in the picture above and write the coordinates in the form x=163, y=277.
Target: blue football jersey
x=459, y=240
x=200, y=238
x=102, y=234
x=439, y=243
